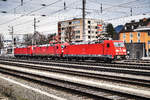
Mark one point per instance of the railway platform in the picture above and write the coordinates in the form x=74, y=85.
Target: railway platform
x=145, y=58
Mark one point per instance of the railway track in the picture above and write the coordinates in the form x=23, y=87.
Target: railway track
x=86, y=65
x=126, y=77
x=139, y=61
x=123, y=64
x=134, y=70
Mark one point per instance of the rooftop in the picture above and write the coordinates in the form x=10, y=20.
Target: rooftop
x=141, y=25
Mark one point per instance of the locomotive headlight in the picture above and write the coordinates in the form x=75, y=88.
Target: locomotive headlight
x=117, y=50
x=124, y=50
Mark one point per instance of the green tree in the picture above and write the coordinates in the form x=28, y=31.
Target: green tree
x=111, y=31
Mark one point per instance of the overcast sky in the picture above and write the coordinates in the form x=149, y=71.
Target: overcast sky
x=21, y=16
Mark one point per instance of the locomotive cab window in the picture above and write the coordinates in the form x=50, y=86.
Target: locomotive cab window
x=63, y=46
x=108, y=45
x=119, y=44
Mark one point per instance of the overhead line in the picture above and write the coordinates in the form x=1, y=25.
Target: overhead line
x=46, y=15
x=18, y=6
x=29, y=13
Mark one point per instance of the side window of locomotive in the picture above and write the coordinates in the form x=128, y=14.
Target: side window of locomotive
x=57, y=47
x=63, y=46
x=108, y=45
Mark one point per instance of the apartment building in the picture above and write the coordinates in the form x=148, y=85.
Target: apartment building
x=74, y=27
x=137, y=32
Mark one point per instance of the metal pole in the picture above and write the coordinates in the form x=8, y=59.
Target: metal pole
x=143, y=50
x=21, y=2
x=83, y=15
x=12, y=31
x=147, y=49
x=101, y=8
x=90, y=32
x=131, y=11
x=34, y=26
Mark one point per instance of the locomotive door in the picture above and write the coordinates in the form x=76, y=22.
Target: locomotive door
x=56, y=50
x=29, y=50
x=106, y=48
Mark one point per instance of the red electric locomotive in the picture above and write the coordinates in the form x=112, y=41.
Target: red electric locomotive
x=23, y=51
x=48, y=51
x=106, y=50
x=43, y=51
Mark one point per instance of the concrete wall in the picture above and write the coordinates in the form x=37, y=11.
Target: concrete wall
x=136, y=50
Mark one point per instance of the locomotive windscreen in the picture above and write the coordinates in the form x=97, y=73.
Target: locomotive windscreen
x=119, y=44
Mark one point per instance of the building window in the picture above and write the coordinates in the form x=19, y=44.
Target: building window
x=65, y=24
x=148, y=33
x=63, y=29
x=89, y=22
x=70, y=23
x=139, y=34
x=139, y=40
x=131, y=41
x=89, y=31
x=76, y=22
x=132, y=27
x=77, y=31
x=89, y=37
x=75, y=27
x=131, y=35
x=89, y=26
x=124, y=35
x=77, y=37
x=148, y=42
x=125, y=28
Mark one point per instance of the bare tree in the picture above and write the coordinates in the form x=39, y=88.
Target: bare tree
x=51, y=37
x=69, y=34
x=27, y=39
x=35, y=39
x=40, y=39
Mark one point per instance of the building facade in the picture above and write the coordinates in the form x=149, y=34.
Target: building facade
x=137, y=32
x=74, y=27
